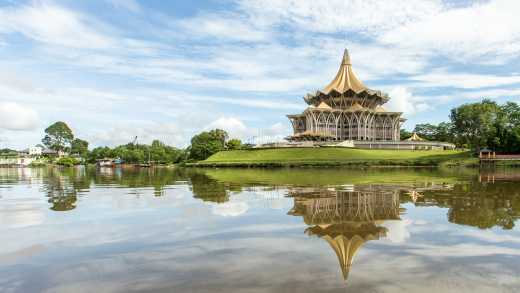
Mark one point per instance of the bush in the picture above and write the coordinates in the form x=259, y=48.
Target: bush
x=67, y=162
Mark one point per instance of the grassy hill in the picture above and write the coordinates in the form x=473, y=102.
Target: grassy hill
x=334, y=157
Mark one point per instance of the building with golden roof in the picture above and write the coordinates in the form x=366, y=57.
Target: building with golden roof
x=347, y=110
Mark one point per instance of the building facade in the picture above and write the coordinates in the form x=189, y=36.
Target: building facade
x=346, y=110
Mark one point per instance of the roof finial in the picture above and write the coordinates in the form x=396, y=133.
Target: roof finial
x=346, y=58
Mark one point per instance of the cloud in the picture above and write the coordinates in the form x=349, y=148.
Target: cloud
x=52, y=24
x=402, y=100
x=398, y=230
x=238, y=129
x=482, y=29
x=369, y=17
x=130, y=5
x=234, y=127
x=443, y=78
x=16, y=117
x=168, y=133
x=230, y=209
x=230, y=27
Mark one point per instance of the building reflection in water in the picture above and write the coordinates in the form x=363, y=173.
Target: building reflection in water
x=346, y=219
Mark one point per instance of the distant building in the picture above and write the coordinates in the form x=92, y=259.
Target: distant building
x=35, y=151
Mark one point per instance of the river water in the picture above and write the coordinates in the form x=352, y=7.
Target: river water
x=259, y=230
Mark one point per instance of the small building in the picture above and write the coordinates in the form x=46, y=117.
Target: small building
x=35, y=151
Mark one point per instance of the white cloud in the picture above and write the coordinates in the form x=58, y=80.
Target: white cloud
x=130, y=5
x=234, y=127
x=230, y=209
x=443, y=78
x=14, y=116
x=238, y=129
x=402, y=100
x=368, y=16
x=483, y=29
x=168, y=133
x=52, y=24
x=230, y=27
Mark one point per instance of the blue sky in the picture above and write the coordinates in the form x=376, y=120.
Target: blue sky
x=114, y=69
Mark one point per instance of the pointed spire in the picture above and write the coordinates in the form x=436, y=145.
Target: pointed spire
x=346, y=58
x=345, y=78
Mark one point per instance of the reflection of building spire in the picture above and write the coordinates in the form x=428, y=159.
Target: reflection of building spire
x=345, y=219
x=414, y=195
x=345, y=250
x=346, y=239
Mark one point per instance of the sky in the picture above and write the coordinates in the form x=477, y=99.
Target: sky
x=116, y=69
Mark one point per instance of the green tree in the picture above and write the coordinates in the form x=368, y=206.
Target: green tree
x=426, y=130
x=475, y=124
x=58, y=136
x=405, y=134
x=234, y=144
x=207, y=143
x=80, y=147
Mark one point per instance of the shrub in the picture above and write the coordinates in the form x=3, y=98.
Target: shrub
x=67, y=162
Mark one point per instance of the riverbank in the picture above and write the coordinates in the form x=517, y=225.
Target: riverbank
x=303, y=157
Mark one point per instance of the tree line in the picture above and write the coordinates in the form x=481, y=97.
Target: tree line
x=472, y=126
x=477, y=125
x=60, y=137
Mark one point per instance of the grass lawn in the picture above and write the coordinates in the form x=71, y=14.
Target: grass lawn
x=334, y=156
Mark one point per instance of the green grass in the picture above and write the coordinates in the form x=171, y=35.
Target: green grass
x=337, y=175
x=333, y=157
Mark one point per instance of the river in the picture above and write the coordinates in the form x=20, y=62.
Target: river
x=259, y=230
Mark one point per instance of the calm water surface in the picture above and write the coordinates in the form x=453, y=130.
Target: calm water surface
x=290, y=230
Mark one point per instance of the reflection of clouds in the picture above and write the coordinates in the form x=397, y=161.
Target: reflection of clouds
x=462, y=250
x=490, y=236
x=230, y=209
x=397, y=230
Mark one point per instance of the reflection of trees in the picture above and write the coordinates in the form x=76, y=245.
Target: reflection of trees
x=131, y=177
x=62, y=186
x=478, y=204
x=345, y=219
x=207, y=189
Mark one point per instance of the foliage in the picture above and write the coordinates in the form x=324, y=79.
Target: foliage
x=58, y=136
x=8, y=152
x=441, y=132
x=207, y=143
x=67, y=161
x=80, y=147
x=475, y=123
x=405, y=134
x=234, y=144
x=157, y=152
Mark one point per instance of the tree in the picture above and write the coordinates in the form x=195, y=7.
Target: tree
x=444, y=132
x=405, y=133
x=474, y=124
x=234, y=144
x=426, y=130
x=441, y=132
x=58, y=136
x=207, y=143
x=80, y=147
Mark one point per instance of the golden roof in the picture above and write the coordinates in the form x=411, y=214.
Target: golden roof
x=380, y=109
x=323, y=105
x=345, y=81
x=415, y=137
x=356, y=107
x=345, y=78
